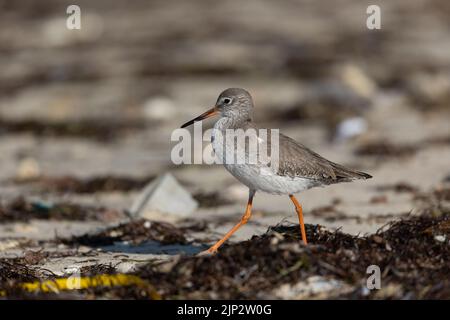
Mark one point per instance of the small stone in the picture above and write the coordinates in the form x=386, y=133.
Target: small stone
x=377, y=239
x=440, y=238
x=126, y=267
x=8, y=244
x=115, y=233
x=313, y=287
x=28, y=169
x=355, y=78
x=274, y=241
x=164, y=195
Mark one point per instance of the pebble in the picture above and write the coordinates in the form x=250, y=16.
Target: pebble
x=440, y=238
x=28, y=169
x=356, y=79
x=312, y=287
x=159, y=195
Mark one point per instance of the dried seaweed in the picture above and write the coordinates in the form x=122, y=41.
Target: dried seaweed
x=13, y=270
x=407, y=253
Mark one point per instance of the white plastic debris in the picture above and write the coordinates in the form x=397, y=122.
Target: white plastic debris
x=164, y=195
x=350, y=128
x=312, y=287
x=126, y=267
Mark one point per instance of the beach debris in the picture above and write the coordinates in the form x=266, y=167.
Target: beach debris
x=82, y=283
x=350, y=128
x=407, y=253
x=134, y=232
x=28, y=169
x=160, y=195
x=313, y=287
x=356, y=79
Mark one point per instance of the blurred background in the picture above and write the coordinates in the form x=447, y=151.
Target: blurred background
x=86, y=115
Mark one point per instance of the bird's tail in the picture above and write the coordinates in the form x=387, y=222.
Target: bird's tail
x=345, y=174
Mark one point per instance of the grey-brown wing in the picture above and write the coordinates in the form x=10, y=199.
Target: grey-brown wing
x=296, y=160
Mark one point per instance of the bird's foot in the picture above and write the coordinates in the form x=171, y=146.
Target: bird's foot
x=211, y=251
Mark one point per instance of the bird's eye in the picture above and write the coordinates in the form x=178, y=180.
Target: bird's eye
x=227, y=101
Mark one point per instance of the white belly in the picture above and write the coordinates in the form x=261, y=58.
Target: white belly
x=262, y=179
x=259, y=177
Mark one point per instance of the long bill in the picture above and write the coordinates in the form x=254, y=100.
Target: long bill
x=211, y=112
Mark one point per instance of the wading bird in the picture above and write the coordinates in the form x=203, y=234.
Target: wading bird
x=298, y=168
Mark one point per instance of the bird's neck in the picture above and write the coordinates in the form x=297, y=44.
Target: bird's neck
x=225, y=123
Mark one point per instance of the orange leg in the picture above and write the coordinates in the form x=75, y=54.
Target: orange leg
x=299, y=210
x=244, y=219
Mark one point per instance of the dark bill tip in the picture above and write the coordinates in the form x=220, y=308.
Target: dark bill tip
x=211, y=112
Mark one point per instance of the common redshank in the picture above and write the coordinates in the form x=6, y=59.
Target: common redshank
x=298, y=167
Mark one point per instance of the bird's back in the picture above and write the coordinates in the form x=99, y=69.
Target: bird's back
x=296, y=160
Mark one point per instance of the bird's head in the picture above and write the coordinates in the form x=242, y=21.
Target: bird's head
x=234, y=103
